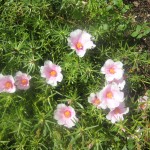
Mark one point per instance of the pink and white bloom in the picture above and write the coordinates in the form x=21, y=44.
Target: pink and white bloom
x=80, y=41
x=112, y=70
x=116, y=114
x=65, y=115
x=51, y=72
x=22, y=80
x=121, y=83
x=7, y=84
x=111, y=96
x=95, y=100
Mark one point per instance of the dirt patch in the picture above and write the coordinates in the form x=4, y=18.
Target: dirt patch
x=141, y=12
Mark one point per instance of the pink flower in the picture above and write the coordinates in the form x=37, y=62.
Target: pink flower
x=143, y=99
x=116, y=114
x=7, y=84
x=22, y=80
x=51, y=72
x=121, y=83
x=95, y=100
x=65, y=115
x=111, y=96
x=80, y=41
x=112, y=70
x=143, y=102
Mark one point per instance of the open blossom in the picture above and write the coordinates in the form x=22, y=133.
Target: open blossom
x=51, y=72
x=22, y=80
x=65, y=115
x=121, y=83
x=112, y=70
x=116, y=114
x=80, y=41
x=7, y=84
x=95, y=100
x=111, y=96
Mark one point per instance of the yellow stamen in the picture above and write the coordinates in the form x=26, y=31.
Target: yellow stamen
x=143, y=106
x=53, y=73
x=117, y=111
x=111, y=70
x=79, y=45
x=24, y=81
x=67, y=114
x=97, y=101
x=109, y=95
x=8, y=85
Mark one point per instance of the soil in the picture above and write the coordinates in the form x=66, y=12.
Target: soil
x=141, y=12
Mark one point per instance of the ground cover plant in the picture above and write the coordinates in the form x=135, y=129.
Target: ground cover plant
x=74, y=75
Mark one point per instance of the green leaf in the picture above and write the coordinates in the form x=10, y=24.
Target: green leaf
x=105, y=26
x=146, y=31
x=134, y=34
x=140, y=36
x=131, y=144
x=125, y=148
x=138, y=28
x=137, y=31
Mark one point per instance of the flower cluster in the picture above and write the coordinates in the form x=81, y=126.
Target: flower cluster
x=9, y=83
x=111, y=96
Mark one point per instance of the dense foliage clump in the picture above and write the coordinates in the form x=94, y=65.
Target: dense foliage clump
x=32, y=32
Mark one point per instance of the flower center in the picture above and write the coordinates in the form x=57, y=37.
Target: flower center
x=53, y=73
x=8, y=85
x=109, y=95
x=96, y=101
x=67, y=114
x=24, y=81
x=79, y=45
x=111, y=70
x=117, y=111
x=143, y=106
